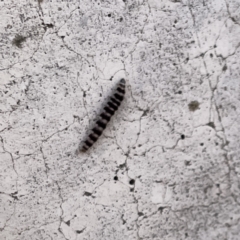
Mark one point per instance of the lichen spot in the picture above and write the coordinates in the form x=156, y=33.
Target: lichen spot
x=193, y=106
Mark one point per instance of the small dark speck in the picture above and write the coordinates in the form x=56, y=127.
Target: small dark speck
x=109, y=15
x=215, y=46
x=80, y=231
x=132, y=181
x=224, y=68
x=120, y=19
x=140, y=214
x=121, y=166
x=49, y=25
x=68, y=222
x=211, y=55
x=13, y=195
x=233, y=19
x=187, y=163
x=18, y=40
x=201, y=144
x=182, y=136
x=179, y=92
x=115, y=178
x=161, y=209
x=211, y=124
x=193, y=106
x=145, y=112
x=87, y=194
x=131, y=190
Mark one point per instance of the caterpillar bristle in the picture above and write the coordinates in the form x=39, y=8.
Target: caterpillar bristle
x=108, y=111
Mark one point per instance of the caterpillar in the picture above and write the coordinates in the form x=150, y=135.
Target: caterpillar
x=108, y=111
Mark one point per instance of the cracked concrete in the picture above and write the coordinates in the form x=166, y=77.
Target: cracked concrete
x=167, y=166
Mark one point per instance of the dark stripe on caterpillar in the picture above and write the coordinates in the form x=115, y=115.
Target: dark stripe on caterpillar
x=97, y=131
x=120, y=90
x=88, y=143
x=105, y=116
x=113, y=106
x=84, y=148
x=118, y=97
x=93, y=137
x=109, y=110
x=115, y=101
x=101, y=124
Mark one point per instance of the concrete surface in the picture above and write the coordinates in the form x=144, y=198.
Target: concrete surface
x=167, y=166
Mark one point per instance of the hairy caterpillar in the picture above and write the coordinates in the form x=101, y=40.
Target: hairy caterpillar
x=109, y=110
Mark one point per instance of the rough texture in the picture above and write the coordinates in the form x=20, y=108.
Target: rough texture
x=167, y=166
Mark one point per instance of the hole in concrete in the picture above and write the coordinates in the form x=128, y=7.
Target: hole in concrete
x=132, y=181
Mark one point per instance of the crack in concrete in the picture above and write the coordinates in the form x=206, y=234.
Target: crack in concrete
x=53, y=134
x=12, y=159
x=44, y=161
x=62, y=211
